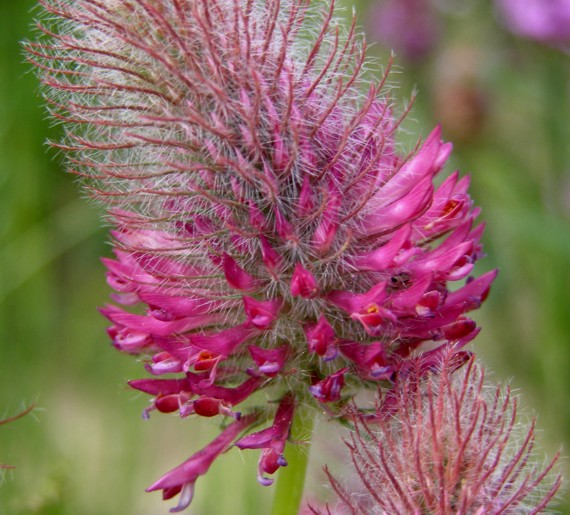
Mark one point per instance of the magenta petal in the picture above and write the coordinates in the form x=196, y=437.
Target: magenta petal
x=473, y=293
x=303, y=283
x=420, y=167
x=231, y=396
x=401, y=210
x=328, y=389
x=198, y=464
x=275, y=434
x=382, y=258
x=271, y=259
x=236, y=277
x=442, y=261
x=272, y=440
x=179, y=306
x=256, y=218
x=130, y=340
x=269, y=361
x=283, y=228
x=261, y=314
x=161, y=386
x=306, y=201
x=164, y=363
x=370, y=359
x=225, y=342
x=325, y=232
x=407, y=300
x=354, y=302
x=320, y=336
x=151, y=325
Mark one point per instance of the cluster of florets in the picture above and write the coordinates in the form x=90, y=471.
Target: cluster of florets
x=264, y=220
x=445, y=442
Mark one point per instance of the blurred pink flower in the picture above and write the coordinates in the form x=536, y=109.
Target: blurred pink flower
x=446, y=443
x=547, y=21
x=409, y=27
x=267, y=235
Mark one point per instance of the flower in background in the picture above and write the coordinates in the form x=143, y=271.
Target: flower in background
x=547, y=21
x=446, y=443
x=268, y=235
x=461, y=99
x=409, y=27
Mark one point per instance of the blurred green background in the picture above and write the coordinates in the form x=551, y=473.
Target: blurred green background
x=503, y=101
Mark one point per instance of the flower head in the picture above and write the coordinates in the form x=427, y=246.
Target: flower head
x=268, y=234
x=449, y=442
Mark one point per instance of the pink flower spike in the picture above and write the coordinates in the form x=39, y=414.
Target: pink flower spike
x=328, y=389
x=263, y=213
x=183, y=478
x=261, y=314
x=303, y=283
x=272, y=440
x=321, y=338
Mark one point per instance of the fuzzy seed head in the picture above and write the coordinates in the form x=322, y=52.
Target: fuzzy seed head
x=447, y=443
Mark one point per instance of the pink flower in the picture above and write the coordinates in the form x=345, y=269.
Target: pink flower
x=448, y=442
x=410, y=27
x=547, y=21
x=268, y=236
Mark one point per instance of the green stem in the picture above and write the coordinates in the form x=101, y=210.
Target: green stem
x=291, y=479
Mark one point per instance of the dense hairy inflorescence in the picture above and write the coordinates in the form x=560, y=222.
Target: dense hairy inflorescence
x=264, y=220
x=453, y=443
